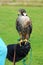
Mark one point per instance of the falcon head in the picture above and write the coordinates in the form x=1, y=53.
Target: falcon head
x=22, y=12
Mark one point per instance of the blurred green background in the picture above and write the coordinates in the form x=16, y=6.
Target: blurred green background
x=8, y=33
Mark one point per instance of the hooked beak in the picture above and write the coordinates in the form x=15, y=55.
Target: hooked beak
x=24, y=14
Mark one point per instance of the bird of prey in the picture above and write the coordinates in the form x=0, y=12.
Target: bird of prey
x=23, y=25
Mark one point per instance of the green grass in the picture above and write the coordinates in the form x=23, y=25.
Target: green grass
x=8, y=33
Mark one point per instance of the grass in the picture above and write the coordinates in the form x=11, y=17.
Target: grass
x=8, y=33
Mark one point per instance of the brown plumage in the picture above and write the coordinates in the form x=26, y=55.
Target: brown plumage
x=24, y=25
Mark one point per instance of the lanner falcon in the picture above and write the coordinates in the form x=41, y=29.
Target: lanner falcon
x=23, y=25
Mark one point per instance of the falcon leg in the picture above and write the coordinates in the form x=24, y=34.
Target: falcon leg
x=25, y=40
x=20, y=35
x=20, y=38
x=27, y=36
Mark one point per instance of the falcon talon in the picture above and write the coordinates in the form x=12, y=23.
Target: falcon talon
x=25, y=43
x=25, y=40
x=20, y=42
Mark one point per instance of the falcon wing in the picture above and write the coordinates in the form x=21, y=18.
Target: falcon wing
x=18, y=25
